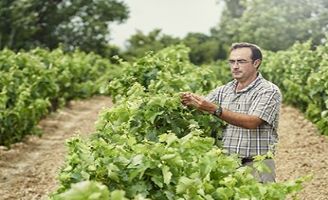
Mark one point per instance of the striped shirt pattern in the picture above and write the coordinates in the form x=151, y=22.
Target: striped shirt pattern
x=260, y=98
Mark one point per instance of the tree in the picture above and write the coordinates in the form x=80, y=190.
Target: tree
x=273, y=24
x=140, y=43
x=203, y=48
x=79, y=23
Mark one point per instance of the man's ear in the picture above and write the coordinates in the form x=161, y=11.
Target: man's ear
x=257, y=63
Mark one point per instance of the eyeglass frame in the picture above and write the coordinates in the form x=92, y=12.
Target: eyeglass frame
x=239, y=62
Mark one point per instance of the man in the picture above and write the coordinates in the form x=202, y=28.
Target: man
x=249, y=104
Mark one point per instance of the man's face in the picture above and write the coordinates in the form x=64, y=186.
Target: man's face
x=241, y=64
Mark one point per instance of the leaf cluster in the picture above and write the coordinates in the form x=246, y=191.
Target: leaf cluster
x=301, y=73
x=36, y=82
x=272, y=24
x=168, y=71
x=75, y=24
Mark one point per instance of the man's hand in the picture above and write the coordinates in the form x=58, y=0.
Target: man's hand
x=190, y=99
x=234, y=118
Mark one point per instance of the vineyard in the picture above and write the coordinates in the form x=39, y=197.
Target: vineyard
x=147, y=145
x=34, y=83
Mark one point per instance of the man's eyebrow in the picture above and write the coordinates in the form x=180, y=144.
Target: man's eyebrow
x=237, y=60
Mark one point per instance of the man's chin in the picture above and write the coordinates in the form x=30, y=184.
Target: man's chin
x=237, y=77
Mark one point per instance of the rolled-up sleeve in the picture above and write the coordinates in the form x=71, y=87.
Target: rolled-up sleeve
x=266, y=105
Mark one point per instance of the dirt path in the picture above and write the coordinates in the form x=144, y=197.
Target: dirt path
x=28, y=170
x=302, y=151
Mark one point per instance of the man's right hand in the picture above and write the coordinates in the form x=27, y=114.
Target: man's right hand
x=190, y=99
x=186, y=98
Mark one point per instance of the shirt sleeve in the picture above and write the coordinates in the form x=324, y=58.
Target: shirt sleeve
x=213, y=96
x=266, y=105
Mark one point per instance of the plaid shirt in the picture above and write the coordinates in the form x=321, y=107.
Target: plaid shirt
x=260, y=98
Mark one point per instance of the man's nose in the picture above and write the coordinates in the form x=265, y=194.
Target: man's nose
x=235, y=65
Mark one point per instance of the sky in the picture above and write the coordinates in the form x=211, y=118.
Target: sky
x=173, y=17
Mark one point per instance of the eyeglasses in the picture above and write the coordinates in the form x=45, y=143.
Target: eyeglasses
x=238, y=62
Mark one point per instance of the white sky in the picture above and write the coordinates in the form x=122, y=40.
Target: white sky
x=174, y=17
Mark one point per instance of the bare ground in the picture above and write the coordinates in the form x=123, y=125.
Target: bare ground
x=29, y=169
x=302, y=151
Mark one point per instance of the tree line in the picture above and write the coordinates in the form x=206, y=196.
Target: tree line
x=272, y=24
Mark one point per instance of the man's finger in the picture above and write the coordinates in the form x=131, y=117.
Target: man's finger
x=196, y=100
x=198, y=97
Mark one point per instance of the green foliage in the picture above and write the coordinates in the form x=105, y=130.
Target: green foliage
x=273, y=24
x=148, y=146
x=301, y=74
x=140, y=43
x=167, y=71
x=76, y=24
x=33, y=83
x=152, y=106
x=86, y=190
x=222, y=70
x=204, y=49
x=147, y=115
x=188, y=168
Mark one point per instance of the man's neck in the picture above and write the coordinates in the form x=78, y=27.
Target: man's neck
x=243, y=84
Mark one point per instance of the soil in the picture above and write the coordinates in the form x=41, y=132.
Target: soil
x=28, y=169
x=302, y=151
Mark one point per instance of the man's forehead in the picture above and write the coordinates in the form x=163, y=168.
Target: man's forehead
x=241, y=52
